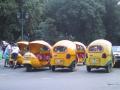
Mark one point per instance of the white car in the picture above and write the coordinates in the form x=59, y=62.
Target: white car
x=116, y=53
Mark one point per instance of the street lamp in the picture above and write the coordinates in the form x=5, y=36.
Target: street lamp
x=22, y=15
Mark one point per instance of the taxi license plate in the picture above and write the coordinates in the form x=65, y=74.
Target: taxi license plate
x=26, y=61
x=94, y=61
x=58, y=61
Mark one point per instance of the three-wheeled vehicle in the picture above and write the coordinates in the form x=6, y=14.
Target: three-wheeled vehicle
x=23, y=46
x=81, y=52
x=39, y=55
x=99, y=55
x=64, y=55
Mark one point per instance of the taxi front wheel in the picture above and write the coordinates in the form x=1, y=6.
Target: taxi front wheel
x=28, y=68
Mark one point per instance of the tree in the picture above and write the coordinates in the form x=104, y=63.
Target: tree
x=112, y=21
x=8, y=24
x=35, y=9
x=80, y=18
x=53, y=20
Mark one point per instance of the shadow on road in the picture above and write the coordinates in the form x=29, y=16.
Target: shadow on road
x=98, y=71
x=117, y=65
x=38, y=70
x=63, y=70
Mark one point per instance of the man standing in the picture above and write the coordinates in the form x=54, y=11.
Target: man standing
x=6, y=55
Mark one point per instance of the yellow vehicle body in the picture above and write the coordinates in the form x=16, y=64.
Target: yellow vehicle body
x=64, y=55
x=20, y=59
x=99, y=54
x=39, y=55
x=23, y=45
x=81, y=52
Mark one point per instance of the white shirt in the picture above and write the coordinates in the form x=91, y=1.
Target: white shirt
x=15, y=49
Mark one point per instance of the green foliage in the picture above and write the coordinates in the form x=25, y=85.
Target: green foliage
x=7, y=19
x=80, y=18
x=53, y=20
x=35, y=9
x=112, y=21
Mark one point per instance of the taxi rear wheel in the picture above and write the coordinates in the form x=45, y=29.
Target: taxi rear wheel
x=72, y=67
x=53, y=68
x=88, y=68
x=109, y=68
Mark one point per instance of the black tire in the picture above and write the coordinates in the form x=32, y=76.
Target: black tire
x=53, y=68
x=88, y=68
x=28, y=68
x=83, y=63
x=72, y=67
x=109, y=68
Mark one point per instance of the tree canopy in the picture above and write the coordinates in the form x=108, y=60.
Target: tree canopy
x=53, y=20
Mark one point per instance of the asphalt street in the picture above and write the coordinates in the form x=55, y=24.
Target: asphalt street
x=44, y=79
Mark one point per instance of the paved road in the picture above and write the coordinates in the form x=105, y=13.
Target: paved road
x=45, y=79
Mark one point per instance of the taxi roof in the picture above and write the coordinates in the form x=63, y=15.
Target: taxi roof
x=66, y=43
x=79, y=43
x=102, y=42
x=23, y=42
x=41, y=42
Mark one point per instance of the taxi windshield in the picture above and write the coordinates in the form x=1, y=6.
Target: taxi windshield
x=60, y=49
x=44, y=48
x=95, y=48
x=79, y=48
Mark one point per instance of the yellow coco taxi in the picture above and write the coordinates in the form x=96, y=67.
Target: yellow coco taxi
x=81, y=52
x=64, y=55
x=39, y=55
x=99, y=55
x=23, y=46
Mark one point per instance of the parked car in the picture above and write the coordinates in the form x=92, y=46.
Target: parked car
x=81, y=52
x=64, y=55
x=38, y=56
x=99, y=55
x=116, y=53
